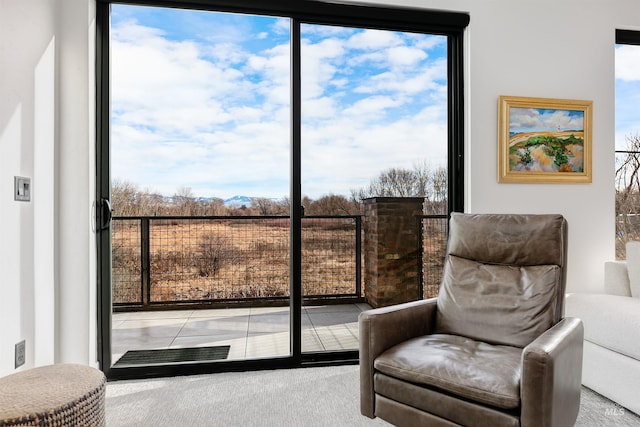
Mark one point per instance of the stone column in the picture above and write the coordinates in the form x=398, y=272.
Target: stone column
x=391, y=249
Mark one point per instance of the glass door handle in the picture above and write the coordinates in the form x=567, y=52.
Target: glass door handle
x=105, y=214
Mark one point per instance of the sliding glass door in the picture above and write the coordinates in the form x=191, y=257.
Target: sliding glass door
x=236, y=146
x=200, y=155
x=374, y=124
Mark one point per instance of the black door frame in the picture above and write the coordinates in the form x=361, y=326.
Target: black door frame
x=450, y=24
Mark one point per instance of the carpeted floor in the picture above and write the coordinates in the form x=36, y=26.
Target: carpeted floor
x=311, y=397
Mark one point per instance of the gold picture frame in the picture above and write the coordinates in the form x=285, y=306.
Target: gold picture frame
x=544, y=140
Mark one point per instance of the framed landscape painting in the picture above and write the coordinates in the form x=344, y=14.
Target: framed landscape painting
x=544, y=140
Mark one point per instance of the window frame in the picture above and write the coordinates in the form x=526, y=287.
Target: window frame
x=624, y=37
x=449, y=24
x=628, y=37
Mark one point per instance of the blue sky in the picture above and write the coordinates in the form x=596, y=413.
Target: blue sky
x=627, y=93
x=201, y=100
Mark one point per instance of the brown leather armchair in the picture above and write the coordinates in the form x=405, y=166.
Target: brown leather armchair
x=493, y=349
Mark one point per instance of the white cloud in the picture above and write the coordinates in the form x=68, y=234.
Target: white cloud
x=358, y=151
x=320, y=62
x=428, y=42
x=274, y=68
x=372, y=105
x=322, y=107
x=282, y=26
x=405, y=56
x=373, y=40
x=627, y=94
x=168, y=85
x=628, y=62
x=215, y=116
x=627, y=113
x=410, y=82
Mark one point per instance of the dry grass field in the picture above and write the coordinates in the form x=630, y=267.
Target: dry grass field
x=203, y=259
x=198, y=260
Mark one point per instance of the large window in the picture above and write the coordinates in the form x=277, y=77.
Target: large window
x=237, y=141
x=627, y=140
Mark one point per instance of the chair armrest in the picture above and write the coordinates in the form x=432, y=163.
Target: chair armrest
x=381, y=329
x=552, y=376
x=616, y=278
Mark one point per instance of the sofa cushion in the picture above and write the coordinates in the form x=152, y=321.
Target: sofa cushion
x=616, y=278
x=467, y=368
x=633, y=267
x=499, y=304
x=610, y=321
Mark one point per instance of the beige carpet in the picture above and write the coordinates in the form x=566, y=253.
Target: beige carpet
x=310, y=397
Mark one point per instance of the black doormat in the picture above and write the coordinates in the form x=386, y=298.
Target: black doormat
x=173, y=355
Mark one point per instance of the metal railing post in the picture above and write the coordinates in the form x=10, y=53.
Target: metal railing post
x=145, y=260
x=420, y=231
x=358, y=220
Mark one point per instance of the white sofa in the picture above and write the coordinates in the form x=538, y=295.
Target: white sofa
x=611, y=364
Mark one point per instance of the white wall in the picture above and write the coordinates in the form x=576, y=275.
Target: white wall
x=47, y=249
x=546, y=48
x=27, y=92
x=76, y=175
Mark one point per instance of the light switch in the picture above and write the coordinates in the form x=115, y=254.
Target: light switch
x=22, y=188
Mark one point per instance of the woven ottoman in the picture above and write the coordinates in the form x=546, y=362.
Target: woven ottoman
x=54, y=395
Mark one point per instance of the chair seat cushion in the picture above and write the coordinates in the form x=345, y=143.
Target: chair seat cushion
x=470, y=369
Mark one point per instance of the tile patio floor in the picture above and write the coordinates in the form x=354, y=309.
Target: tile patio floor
x=254, y=332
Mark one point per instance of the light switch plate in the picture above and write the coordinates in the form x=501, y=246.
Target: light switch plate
x=22, y=187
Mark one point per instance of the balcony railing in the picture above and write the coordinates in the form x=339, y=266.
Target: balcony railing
x=169, y=261
x=433, y=247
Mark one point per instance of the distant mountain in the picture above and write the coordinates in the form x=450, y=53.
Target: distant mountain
x=237, y=201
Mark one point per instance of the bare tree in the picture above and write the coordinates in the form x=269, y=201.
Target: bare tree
x=331, y=204
x=628, y=195
x=124, y=195
x=213, y=206
x=437, y=192
x=128, y=200
x=184, y=201
x=265, y=206
x=421, y=181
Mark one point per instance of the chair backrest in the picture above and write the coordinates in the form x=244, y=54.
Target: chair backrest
x=504, y=277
